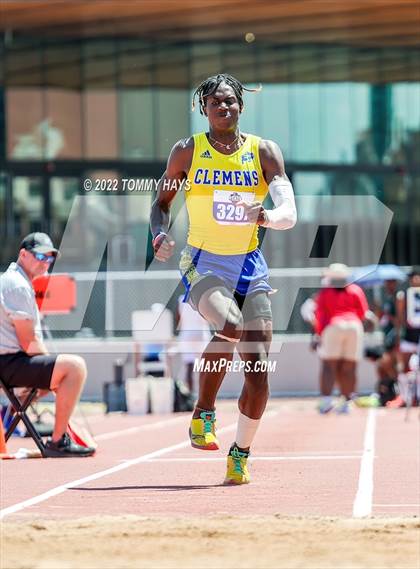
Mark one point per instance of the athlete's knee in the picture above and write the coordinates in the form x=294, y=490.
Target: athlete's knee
x=256, y=373
x=259, y=330
x=233, y=326
x=257, y=384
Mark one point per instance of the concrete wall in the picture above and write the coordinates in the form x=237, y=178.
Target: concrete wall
x=297, y=368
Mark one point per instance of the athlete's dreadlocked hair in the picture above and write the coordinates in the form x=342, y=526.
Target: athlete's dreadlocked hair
x=209, y=86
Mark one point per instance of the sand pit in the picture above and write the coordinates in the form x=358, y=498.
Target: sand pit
x=257, y=542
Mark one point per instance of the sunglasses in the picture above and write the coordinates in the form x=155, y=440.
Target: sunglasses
x=44, y=258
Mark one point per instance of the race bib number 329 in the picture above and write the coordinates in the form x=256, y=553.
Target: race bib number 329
x=226, y=210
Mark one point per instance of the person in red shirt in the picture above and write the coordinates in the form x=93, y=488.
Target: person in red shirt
x=340, y=310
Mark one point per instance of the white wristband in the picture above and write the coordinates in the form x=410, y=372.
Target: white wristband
x=283, y=216
x=156, y=236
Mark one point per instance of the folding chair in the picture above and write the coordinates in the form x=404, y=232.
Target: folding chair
x=20, y=414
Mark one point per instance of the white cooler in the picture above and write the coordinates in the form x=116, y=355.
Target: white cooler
x=161, y=395
x=137, y=395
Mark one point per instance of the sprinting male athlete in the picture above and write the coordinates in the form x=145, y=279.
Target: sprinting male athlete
x=226, y=175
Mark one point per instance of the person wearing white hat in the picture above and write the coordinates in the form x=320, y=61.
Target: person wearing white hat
x=340, y=310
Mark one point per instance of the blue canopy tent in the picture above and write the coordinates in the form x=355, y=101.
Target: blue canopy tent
x=373, y=275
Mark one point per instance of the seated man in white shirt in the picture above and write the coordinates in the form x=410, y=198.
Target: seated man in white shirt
x=24, y=358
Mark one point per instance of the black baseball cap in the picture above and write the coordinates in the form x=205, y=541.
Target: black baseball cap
x=38, y=243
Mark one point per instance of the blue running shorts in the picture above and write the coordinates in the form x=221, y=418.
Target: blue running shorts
x=242, y=274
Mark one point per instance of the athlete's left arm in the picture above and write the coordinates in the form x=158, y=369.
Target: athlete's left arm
x=284, y=215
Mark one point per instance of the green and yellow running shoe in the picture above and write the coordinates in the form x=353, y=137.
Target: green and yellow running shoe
x=237, y=470
x=203, y=431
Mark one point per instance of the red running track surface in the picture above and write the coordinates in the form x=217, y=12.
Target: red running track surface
x=302, y=464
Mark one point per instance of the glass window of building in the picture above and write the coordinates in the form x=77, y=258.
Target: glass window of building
x=365, y=65
x=360, y=123
x=24, y=64
x=272, y=64
x=273, y=104
x=240, y=61
x=136, y=231
x=412, y=58
x=100, y=123
x=24, y=120
x=334, y=64
x=336, y=143
x=62, y=194
x=95, y=217
x=173, y=112
x=305, y=122
x=62, y=126
x=304, y=63
x=63, y=65
x=99, y=64
x=399, y=193
x=405, y=144
x=206, y=60
x=100, y=100
x=136, y=123
x=198, y=122
x=171, y=66
x=249, y=120
x=135, y=63
x=28, y=205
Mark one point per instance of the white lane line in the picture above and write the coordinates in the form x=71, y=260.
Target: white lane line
x=146, y=427
x=133, y=430
x=315, y=453
x=60, y=489
x=362, y=506
x=397, y=505
x=253, y=458
x=123, y=466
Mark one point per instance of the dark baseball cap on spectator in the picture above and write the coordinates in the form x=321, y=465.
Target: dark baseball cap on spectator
x=38, y=243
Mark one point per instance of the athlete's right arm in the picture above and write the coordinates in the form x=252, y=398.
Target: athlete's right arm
x=177, y=168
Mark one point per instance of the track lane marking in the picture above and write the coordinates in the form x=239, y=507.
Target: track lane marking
x=101, y=474
x=396, y=505
x=257, y=458
x=362, y=506
x=132, y=430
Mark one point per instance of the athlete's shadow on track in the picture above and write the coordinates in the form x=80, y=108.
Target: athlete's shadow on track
x=162, y=488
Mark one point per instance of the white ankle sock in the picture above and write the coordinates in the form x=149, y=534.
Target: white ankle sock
x=246, y=430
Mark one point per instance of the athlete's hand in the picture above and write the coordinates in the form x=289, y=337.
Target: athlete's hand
x=163, y=246
x=254, y=212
